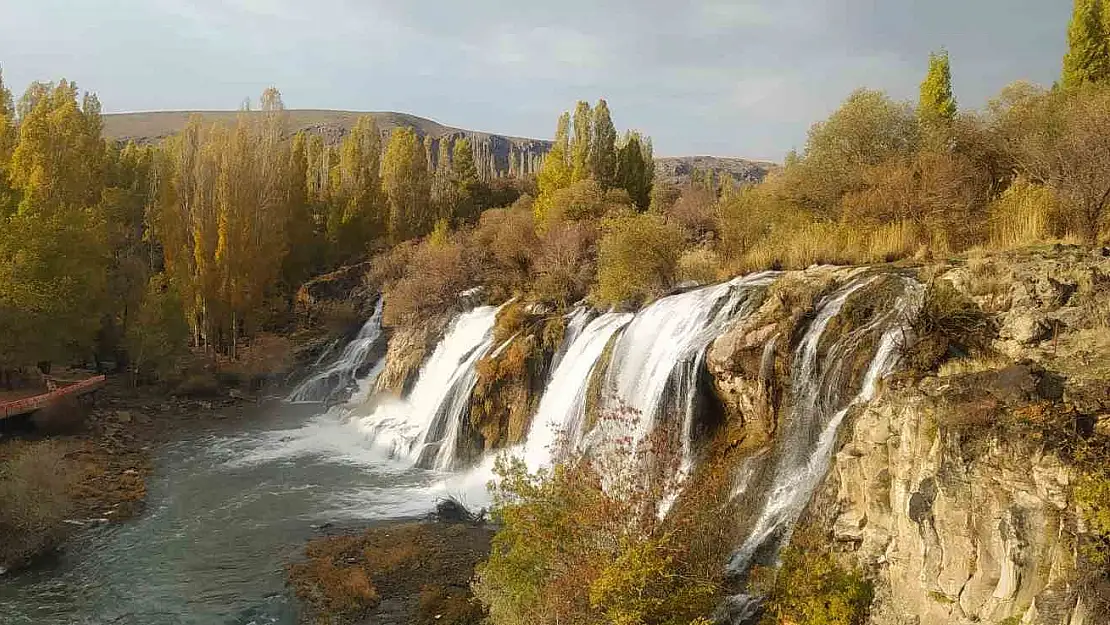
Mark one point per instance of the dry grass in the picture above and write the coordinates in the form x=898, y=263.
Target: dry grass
x=973, y=364
x=701, y=264
x=37, y=484
x=1025, y=214
x=822, y=243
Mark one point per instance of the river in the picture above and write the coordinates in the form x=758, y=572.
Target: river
x=227, y=508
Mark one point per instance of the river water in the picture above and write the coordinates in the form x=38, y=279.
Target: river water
x=226, y=510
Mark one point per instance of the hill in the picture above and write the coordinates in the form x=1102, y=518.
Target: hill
x=500, y=154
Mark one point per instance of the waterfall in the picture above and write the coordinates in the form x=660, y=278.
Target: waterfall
x=662, y=352
x=562, y=408
x=820, y=382
x=425, y=426
x=339, y=376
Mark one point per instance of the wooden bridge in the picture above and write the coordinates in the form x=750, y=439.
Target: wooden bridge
x=38, y=402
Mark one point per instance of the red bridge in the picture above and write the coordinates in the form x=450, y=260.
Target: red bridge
x=38, y=402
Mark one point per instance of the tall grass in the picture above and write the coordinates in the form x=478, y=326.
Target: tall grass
x=1025, y=214
x=820, y=243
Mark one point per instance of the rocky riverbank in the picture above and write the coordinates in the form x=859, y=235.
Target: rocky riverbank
x=414, y=572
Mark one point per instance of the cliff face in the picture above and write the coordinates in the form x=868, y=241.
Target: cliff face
x=950, y=488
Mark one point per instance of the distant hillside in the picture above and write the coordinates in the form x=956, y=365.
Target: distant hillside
x=499, y=154
x=679, y=170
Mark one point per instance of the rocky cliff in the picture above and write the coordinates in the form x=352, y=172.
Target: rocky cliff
x=953, y=488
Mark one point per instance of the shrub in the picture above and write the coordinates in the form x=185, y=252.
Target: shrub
x=812, y=588
x=583, y=543
x=565, y=263
x=694, y=211
x=701, y=264
x=586, y=200
x=637, y=259
x=433, y=278
x=36, y=496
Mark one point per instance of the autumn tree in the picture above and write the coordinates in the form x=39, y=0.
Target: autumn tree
x=53, y=256
x=468, y=188
x=7, y=145
x=868, y=129
x=358, y=213
x=936, y=108
x=1060, y=140
x=407, y=185
x=556, y=172
x=580, y=146
x=603, y=146
x=302, y=240
x=1088, y=57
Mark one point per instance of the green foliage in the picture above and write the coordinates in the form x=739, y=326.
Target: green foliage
x=868, y=129
x=570, y=550
x=1092, y=496
x=811, y=588
x=556, y=172
x=937, y=106
x=637, y=259
x=407, y=185
x=635, y=169
x=603, y=147
x=583, y=140
x=159, y=337
x=1088, y=57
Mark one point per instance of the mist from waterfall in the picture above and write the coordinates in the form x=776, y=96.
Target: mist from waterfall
x=340, y=375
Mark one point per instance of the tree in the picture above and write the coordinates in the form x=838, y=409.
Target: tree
x=937, y=106
x=868, y=129
x=603, y=147
x=53, y=257
x=1061, y=142
x=637, y=259
x=635, y=169
x=1088, y=57
x=407, y=185
x=467, y=186
x=358, y=206
x=8, y=200
x=556, y=171
x=302, y=239
x=580, y=147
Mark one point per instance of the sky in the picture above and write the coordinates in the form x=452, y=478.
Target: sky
x=720, y=77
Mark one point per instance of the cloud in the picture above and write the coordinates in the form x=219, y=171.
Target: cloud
x=728, y=76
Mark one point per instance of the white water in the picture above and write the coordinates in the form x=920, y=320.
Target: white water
x=658, y=358
x=805, y=446
x=339, y=376
x=425, y=426
x=562, y=408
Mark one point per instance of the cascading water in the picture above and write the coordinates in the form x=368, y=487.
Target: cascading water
x=563, y=406
x=661, y=353
x=820, y=383
x=425, y=426
x=340, y=376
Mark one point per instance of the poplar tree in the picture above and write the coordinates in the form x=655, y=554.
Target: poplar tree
x=1088, y=57
x=556, y=171
x=7, y=145
x=407, y=186
x=603, y=147
x=635, y=169
x=936, y=107
x=466, y=183
x=580, y=147
x=358, y=213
